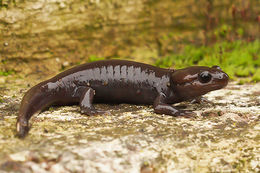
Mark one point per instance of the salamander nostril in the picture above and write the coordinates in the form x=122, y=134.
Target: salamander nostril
x=216, y=67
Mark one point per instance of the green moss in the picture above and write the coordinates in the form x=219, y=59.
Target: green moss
x=93, y=58
x=238, y=58
x=7, y=4
x=256, y=76
x=223, y=31
x=6, y=73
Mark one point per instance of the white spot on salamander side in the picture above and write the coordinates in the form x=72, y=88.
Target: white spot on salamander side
x=51, y=85
x=130, y=73
x=117, y=72
x=137, y=72
x=123, y=72
x=96, y=73
x=110, y=72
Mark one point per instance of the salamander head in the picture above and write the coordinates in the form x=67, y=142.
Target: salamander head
x=191, y=82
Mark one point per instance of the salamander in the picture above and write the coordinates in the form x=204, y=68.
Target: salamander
x=120, y=81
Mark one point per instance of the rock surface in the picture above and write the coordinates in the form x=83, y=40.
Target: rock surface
x=222, y=137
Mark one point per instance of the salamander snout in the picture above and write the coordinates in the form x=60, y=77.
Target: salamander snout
x=220, y=75
x=220, y=78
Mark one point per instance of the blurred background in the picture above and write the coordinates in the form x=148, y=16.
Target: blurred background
x=41, y=38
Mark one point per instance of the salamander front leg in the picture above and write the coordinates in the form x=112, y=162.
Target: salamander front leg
x=161, y=107
x=86, y=100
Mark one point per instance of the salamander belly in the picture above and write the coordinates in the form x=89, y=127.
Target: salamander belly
x=106, y=94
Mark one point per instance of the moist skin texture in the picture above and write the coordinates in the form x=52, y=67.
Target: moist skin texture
x=120, y=81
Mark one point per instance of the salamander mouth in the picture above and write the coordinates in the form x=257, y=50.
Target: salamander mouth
x=217, y=86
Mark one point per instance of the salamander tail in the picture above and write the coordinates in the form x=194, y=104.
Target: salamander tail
x=22, y=128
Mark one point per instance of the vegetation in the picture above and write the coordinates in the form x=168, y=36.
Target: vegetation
x=93, y=58
x=6, y=73
x=238, y=58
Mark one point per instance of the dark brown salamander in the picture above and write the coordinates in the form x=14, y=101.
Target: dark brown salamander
x=120, y=81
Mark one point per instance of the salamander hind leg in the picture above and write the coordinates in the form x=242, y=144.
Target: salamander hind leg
x=86, y=103
x=161, y=107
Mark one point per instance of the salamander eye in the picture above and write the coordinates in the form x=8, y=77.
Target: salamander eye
x=204, y=77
